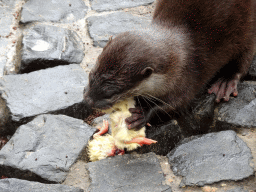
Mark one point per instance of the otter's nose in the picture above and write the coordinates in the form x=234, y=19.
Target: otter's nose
x=85, y=92
x=88, y=101
x=88, y=104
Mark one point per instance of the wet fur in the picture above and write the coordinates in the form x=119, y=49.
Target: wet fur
x=188, y=43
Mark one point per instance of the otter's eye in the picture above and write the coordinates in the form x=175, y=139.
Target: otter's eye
x=147, y=72
x=109, y=93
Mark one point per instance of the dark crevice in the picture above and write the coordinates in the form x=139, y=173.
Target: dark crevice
x=21, y=174
x=39, y=64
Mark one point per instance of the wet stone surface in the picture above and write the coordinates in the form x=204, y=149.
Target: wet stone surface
x=102, y=27
x=48, y=46
x=112, y=5
x=127, y=173
x=57, y=90
x=65, y=11
x=47, y=147
x=211, y=158
x=17, y=185
x=239, y=111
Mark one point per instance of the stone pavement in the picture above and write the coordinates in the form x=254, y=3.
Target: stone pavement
x=47, y=49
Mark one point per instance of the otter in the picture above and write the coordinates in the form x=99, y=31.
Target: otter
x=187, y=44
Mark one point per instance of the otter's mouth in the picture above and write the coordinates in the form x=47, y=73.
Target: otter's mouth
x=101, y=106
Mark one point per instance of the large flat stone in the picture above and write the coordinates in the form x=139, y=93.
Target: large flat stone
x=48, y=46
x=211, y=158
x=112, y=5
x=66, y=11
x=102, y=27
x=57, y=90
x=17, y=185
x=45, y=148
x=239, y=111
x=127, y=173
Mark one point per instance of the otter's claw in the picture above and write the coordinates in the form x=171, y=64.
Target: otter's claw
x=137, y=120
x=223, y=89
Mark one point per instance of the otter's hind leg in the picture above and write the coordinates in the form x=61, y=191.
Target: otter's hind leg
x=227, y=85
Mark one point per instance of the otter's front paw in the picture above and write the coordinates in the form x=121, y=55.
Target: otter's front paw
x=137, y=120
x=224, y=88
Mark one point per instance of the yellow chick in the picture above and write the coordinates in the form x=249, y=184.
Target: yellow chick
x=101, y=146
x=121, y=137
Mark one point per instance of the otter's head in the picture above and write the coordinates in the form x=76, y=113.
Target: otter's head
x=128, y=66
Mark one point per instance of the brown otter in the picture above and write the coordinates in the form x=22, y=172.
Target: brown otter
x=187, y=44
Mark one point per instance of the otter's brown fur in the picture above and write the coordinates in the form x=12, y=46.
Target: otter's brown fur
x=187, y=43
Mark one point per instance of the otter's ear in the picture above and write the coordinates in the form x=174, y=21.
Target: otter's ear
x=109, y=41
x=147, y=72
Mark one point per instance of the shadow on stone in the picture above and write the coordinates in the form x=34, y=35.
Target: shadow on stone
x=6, y=127
x=167, y=136
x=199, y=118
x=41, y=64
x=11, y=172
